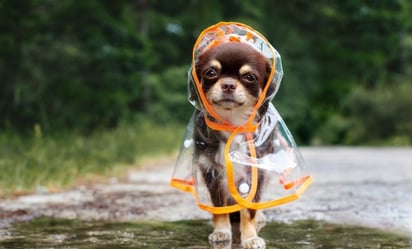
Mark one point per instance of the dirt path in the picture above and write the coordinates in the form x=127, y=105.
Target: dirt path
x=363, y=186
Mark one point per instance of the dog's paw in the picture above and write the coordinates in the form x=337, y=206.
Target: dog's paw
x=220, y=235
x=221, y=244
x=254, y=243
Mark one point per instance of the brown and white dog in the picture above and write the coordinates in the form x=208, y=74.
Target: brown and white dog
x=232, y=76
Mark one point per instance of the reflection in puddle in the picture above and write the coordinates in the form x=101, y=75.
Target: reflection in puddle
x=56, y=233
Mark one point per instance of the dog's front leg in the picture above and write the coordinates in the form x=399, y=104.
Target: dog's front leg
x=248, y=230
x=222, y=229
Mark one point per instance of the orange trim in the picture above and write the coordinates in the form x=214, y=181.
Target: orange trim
x=189, y=181
x=178, y=183
x=230, y=175
x=254, y=172
x=236, y=207
x=291, y=184
x=183, y=185
x=228, y=127
x=220, y=210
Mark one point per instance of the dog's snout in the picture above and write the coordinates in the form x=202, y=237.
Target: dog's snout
x=228, y=86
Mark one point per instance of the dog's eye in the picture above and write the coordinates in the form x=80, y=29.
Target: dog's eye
x=249, y=77
x=210, y=73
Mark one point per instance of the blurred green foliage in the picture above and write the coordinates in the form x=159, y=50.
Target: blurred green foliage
x=85, y=65
x=58, y=161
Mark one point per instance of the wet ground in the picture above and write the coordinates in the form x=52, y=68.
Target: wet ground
x=368, y=187
x=63, y=234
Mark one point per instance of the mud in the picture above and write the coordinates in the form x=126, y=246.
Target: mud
x=370, y=187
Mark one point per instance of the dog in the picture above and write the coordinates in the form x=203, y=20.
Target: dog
x=232, y=76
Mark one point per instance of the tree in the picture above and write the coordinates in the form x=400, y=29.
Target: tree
x=82, y=65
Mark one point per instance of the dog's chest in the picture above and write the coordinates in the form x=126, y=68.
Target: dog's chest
x=239, y=145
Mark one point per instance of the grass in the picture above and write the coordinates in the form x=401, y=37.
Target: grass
x=58, y=161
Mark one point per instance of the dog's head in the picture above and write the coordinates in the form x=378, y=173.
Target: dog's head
x=233, y=76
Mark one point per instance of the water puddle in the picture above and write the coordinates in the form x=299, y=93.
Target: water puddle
x=58, y=233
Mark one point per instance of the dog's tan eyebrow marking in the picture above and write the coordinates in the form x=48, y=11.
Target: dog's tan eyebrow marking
x=245, y=69
x=216, y=64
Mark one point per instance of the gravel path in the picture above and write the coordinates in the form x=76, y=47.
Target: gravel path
x=362, y=186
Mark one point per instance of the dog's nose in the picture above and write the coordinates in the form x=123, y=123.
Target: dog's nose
x=229, y=87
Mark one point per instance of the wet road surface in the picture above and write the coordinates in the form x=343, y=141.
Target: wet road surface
x=360, y=186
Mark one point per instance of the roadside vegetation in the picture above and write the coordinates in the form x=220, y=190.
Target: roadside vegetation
x=43, y=162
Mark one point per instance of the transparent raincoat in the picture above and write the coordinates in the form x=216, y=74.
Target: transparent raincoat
x=286, y=177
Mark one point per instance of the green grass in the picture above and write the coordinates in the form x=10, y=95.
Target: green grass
x=58, y=161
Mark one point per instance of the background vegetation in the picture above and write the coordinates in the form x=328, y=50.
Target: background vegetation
x=82, y=65
x=52, y=162
x=75, y=70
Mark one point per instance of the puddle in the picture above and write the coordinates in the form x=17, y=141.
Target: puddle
x=59, y=233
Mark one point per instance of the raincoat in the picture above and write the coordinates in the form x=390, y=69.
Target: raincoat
x=287, y=178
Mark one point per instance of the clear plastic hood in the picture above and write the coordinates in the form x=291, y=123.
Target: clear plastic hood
x=225, y=32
